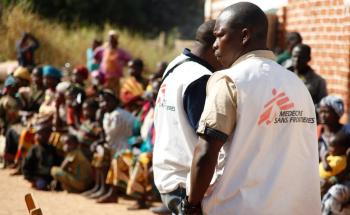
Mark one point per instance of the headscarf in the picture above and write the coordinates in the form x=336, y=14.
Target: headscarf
x=334, y=102
x=10, y=81
x=83, y=71
x=22, y=73
x=52, y=72
x=131, y=90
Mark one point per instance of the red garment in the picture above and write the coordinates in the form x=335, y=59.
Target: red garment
x=83, y=71
x=71, y=116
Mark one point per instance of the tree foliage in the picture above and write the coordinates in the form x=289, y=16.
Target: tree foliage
x=145, y=16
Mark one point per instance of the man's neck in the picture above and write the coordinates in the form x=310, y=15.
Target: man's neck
x=202, y=56
x=302, y=71
x=253, y=48
x=198, y=51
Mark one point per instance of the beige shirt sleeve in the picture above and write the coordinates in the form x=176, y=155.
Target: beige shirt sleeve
x=219, y=115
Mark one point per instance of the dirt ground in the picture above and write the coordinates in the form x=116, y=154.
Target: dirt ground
x=13, y=189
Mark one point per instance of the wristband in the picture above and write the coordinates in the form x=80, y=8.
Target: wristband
x=188, y=208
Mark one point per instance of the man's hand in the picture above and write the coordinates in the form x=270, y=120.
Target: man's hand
x=325, y=162
x=188, y=209
x=326, y=166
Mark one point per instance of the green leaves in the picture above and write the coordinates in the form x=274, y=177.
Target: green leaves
x=143, y=16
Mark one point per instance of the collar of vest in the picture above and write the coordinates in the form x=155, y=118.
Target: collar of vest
x=257, y=53
x=197, y=59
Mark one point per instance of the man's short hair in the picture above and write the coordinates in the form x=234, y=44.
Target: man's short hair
x=305, y=49
x=92, y=103
x=138, y=63
x=109, y=95
x=205, y=35
x=294, y=37
x=248, y=15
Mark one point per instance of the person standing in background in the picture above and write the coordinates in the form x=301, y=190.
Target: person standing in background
x=91, y=63
x=301, y=56
x=25, y=49
x=112, y=60
x=293, y=39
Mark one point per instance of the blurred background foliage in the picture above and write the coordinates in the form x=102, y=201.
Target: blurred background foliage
x=149, y=17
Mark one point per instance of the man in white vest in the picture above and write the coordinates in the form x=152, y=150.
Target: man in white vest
x=257, y=151
x=178, y=108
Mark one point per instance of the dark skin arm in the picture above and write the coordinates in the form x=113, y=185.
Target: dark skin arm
x=100, y=141
x=325, y=163
x=34, y=43
x=203, y=166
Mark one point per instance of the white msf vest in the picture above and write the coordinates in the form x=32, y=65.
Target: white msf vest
x=175, y=138
x=271, y=160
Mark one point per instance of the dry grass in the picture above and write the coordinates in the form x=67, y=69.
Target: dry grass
x=60, y=44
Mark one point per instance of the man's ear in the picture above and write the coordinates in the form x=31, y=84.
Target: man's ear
x=308, y=59
x=245, y=36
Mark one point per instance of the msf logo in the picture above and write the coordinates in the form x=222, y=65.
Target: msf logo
x=279, y=101
x=161, y=93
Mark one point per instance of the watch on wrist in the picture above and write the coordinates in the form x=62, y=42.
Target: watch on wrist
x=188, y=208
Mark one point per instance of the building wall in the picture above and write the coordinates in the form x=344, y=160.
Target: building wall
x=325, y=26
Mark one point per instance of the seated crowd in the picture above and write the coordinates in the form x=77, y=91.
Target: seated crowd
x=80, y=131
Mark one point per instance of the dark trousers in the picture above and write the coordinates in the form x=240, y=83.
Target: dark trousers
x=11, y=144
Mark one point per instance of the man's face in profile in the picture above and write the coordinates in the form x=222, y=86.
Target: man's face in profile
x=228, y=44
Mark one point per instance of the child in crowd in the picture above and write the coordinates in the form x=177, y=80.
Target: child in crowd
x=9, y=105
x=334, y=163
x=97, y=81
x=75, y=172
x=31, y=97
x=90, y=130
x=9, y=115
x=51, y=77
x=41, y=157
x=60, y=115
x=79, y=76
x=75, y=97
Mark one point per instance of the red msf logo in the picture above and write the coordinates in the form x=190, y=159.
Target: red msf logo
x=161, y=92
x=279, y=100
